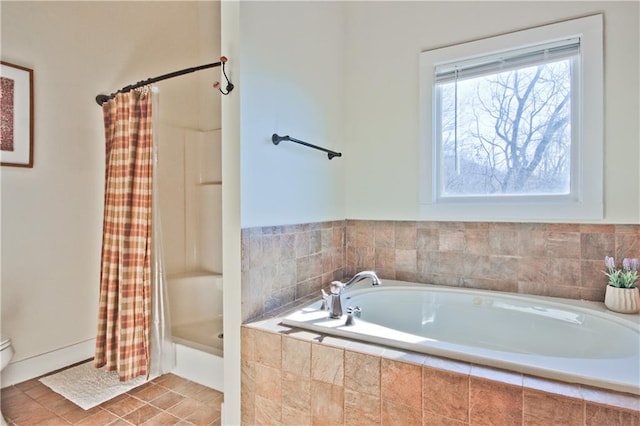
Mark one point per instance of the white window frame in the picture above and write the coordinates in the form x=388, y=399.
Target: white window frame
x=586, y=199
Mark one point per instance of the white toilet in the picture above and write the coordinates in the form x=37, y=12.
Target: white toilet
x=6, y=353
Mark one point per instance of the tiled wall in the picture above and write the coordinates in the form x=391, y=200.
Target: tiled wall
x=292, y=377
x=281, y=264
x=561, y=260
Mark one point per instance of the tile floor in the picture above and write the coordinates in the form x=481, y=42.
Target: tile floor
x=166, y=400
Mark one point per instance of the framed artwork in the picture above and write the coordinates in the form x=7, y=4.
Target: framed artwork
x=16, y=115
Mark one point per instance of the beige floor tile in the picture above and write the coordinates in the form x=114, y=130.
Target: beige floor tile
x=167, y=400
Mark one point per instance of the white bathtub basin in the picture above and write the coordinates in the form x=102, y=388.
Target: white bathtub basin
x=562, y=339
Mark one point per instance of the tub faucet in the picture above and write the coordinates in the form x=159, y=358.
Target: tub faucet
x=361, y=276
x=336, y=288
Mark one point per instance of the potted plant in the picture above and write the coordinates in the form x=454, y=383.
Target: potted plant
x=622, y=295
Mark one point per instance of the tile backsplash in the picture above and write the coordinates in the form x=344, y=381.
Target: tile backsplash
x=281, y=264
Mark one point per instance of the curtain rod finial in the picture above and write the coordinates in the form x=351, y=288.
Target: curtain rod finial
x=229, y=87
x=100, y=99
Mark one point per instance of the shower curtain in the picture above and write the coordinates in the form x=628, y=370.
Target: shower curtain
x=125, y=336
x=163, y=356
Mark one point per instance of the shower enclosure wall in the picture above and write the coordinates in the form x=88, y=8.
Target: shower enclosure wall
x=190, y=191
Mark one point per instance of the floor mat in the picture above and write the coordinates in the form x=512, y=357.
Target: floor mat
x=87, y=386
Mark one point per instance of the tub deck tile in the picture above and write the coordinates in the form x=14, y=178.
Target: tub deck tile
x=615, y=399
x=599, y=415
x=493, y=395
x=362, y=373
x=495, y=403
x=293, y=417
x=361, y=408
x=404, y=356
x=267, y=411
x=296, y=394
x=569, y=390
x=447, y=364
x=400, y=414
x=327, y=403
x=296, y=356
x=401, y=383
x=445, y=394
x=542, y=408
x=327, y=364
x=497, y=375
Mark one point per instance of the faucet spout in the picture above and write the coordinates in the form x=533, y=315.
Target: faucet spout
x=361, y=276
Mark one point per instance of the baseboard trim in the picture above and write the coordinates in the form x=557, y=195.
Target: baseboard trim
x=39, y=365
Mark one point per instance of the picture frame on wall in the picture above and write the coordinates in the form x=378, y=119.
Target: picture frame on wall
x=16, y=115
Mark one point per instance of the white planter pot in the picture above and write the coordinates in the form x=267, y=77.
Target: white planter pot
x=623, y=300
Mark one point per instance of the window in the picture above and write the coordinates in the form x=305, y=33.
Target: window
x=512, y=126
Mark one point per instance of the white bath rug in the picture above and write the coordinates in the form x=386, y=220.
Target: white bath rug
x=87, y=386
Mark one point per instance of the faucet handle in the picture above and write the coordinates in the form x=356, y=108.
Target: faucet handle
x=325, y=299
x=336, y=287
x=351, y=311
x=354, y=310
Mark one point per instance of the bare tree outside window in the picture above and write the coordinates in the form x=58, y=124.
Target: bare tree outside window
x=507, y=133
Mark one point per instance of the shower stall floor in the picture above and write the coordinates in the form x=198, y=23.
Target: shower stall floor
x=202, y=335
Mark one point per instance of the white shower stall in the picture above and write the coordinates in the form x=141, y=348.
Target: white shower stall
x=190, y=208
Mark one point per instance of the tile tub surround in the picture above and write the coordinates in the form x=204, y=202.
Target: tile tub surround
x=282, y=264
x=560, y=260
x=294, y=377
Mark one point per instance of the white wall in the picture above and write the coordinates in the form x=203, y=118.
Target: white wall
x=289, y=80
x=231, y=243
x=193, y=39
x=292, y=84
x=52, y=214
x=381, y=93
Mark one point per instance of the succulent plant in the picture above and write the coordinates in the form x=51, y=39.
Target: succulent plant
x=625, y=277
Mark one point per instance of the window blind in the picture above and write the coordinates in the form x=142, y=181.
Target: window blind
x=494, y=63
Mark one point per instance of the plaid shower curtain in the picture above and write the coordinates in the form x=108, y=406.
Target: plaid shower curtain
x=124, y=313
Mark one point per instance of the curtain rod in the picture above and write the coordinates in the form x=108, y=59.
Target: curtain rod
x=100, y=99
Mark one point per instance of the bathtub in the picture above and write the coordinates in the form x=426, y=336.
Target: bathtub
x=195, y=304
x=562, y=339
